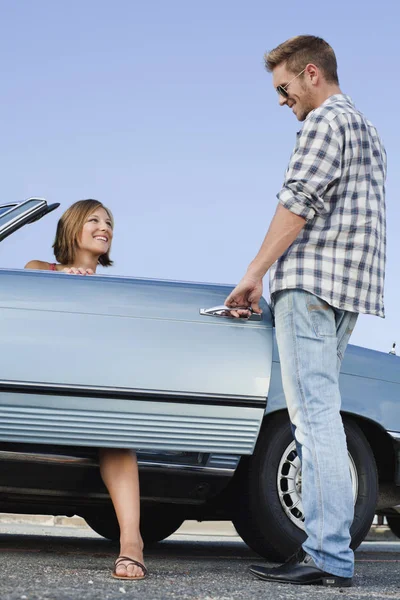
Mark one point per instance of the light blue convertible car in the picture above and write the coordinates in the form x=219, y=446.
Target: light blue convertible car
x=161, y=367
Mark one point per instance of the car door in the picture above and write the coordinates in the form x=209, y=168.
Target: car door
x=127, y=362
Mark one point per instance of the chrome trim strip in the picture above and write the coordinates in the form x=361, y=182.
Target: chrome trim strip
x=223, y=461
x=128, y=393
x=22, y=216
x=188, y=468
x=9, y=207
x=38, y=458
x=395, y=435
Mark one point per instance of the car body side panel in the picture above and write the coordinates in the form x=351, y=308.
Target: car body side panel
x=131, y=334
x=371, y=364
x=122, y=347
x=369, y=385
x=140, y=425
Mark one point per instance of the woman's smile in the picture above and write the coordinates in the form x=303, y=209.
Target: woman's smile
x=97, y=232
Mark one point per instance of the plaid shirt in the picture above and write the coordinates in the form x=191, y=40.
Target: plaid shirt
x=336, y=181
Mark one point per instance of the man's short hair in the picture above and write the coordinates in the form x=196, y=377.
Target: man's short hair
x=298, y=51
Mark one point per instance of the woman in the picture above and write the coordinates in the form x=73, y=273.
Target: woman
x=83, y=241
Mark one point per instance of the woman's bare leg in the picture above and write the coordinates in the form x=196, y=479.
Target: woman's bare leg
x=119, y=471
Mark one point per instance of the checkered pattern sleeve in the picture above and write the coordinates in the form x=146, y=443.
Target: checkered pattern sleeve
x=314, y=166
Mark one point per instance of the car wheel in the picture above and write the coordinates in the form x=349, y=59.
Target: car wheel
x=269, y=516
x=156, y=523
x=394, y=523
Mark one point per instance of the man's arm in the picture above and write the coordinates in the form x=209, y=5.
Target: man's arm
x=284, y=229
x=314, y=166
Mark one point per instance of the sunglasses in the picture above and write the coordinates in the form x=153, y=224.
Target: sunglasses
x=281, y=89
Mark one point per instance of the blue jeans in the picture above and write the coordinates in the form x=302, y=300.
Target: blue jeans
x=312, y=337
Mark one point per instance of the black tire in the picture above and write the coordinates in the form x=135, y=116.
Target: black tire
x=156, y=523
x=394, y=524
x=263, y=521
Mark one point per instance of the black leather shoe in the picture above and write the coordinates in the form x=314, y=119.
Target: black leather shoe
x=300, y=569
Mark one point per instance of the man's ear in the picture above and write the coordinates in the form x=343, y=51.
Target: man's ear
x=313, y=73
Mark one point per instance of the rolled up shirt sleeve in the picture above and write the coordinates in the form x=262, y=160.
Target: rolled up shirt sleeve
x=314, y=166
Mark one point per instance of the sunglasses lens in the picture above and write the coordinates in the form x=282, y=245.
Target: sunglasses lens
x=281, y=91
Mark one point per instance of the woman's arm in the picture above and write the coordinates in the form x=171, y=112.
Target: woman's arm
x=39, y=265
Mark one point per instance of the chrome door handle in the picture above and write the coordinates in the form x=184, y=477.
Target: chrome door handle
x=224, y=311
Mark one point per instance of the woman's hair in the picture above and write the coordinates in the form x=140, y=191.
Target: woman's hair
x=69, y=229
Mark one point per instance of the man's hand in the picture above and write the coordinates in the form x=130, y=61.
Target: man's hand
x=247, y=293
x=284, y=229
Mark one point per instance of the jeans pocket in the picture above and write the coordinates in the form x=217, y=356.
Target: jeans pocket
x=322, y=316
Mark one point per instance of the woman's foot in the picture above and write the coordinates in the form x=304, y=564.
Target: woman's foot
x=126, y=564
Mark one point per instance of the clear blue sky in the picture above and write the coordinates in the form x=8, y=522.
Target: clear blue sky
x=164, y=112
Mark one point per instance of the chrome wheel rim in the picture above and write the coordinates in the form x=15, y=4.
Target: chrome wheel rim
x=289, y=484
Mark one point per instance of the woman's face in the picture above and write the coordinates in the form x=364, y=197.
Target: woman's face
x=97, y=232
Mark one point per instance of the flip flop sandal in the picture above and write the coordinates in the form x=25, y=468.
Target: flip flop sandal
x=121, y=559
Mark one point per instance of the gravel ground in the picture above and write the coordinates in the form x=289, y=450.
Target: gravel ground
x=40, y=562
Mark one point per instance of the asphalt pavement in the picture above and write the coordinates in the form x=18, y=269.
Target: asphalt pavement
x=199, y=562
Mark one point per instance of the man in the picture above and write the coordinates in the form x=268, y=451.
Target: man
x=325, y=249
